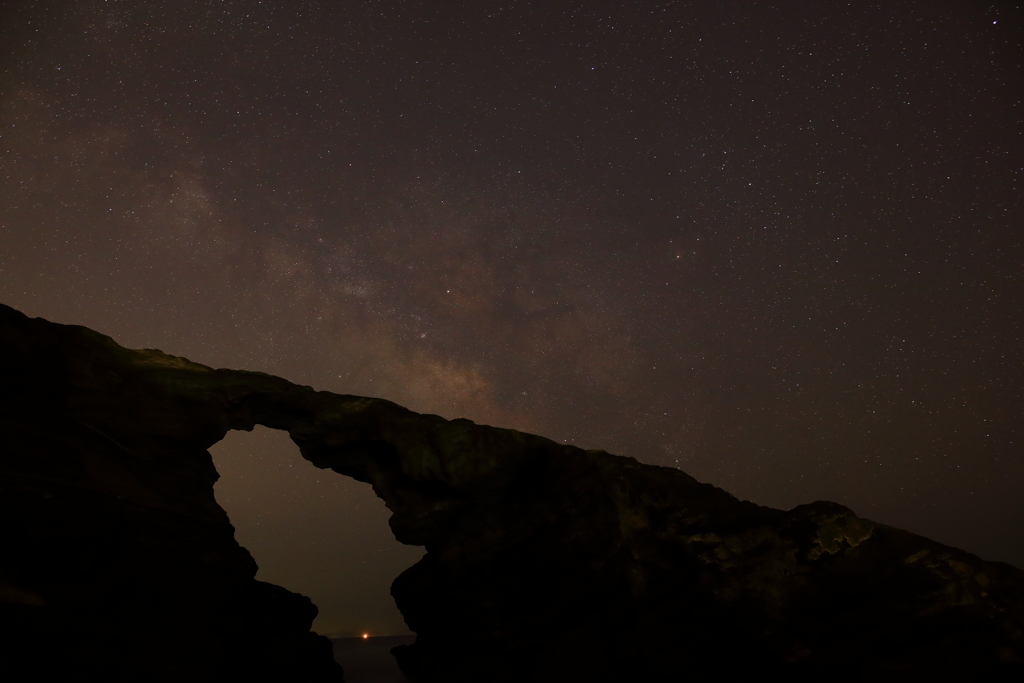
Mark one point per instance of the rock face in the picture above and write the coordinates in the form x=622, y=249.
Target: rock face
x=544, y=562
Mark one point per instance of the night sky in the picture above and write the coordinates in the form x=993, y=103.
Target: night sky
x=775, y=244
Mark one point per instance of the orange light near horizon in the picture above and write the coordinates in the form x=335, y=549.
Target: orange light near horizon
x=365, y=636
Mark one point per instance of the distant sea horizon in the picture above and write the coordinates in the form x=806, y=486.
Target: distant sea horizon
x=369, y=660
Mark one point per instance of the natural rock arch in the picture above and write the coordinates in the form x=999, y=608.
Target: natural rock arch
x=314, y=532
x=544, y=561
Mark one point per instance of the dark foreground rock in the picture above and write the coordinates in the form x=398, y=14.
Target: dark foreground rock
x=544, y=562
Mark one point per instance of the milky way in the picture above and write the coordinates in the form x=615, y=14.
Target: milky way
x=777, y=246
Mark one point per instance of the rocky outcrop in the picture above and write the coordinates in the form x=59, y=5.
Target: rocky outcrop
x=544, y=562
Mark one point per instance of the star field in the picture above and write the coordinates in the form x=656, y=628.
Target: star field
x=776, y=245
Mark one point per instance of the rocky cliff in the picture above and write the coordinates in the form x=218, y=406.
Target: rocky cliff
x=544, y=562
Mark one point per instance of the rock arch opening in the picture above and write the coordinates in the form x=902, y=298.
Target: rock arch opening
x=313, y=531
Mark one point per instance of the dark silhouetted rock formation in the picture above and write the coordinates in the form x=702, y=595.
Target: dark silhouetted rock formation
x=544, y=562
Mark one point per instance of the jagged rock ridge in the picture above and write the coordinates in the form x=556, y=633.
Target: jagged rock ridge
x=544, y=562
